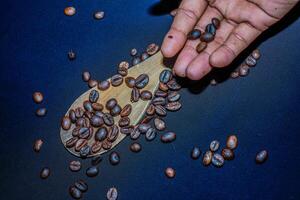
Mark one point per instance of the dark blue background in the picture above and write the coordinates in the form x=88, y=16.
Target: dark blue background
x=262, y=109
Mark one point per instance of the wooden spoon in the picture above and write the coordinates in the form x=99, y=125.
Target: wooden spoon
x=153, y=66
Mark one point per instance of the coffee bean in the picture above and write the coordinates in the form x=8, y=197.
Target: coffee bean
x=86, y=76
x=126, y=110
x=106, y=144
x=210, y=28
x=75, y=131
x=173, y=85
x=146, y=95
x=152, y=49
x=99, y=15
x=115, y=110
x=127, y=130
x=113, y=133
x=108, y=119
x=228, y=154
x=214, y=145
x=201, y=46
x=144, y=56
x=41, y=112
x=88, y=114
x=135, y=134
x=207, y=158
x=136, y=60
x=79, y=112
x=130, y=82
x=99, y=113
x=75, y=192
x=195, y=153
x=96, y=147
x=173, y=96
x=213, y=82
x=71, y=142
x=111, y=103
x=194, y=34
x=159, y=124
x=85, y=151
x=146, y=119
x=250, y=61
x=244, y=70
x=168, y=137
x=234, y=74
x=159, y=101
x=92, y=171
x=38, y=145
x=165, y=76
x=216, y=22
x=45, y=173
x=94, y=96
x=163, y=87
x=144, y=127
x=160, y=110
x=70, y=11
x=112, y=194
x=80, y=122
x=122, y=71
x=116, y=80
x=135, y=147
x=150, y=134
x=124, y=121
x=207, y=37
x=72, y=116
x=133, y=52
x=66, y=123
x=256, y=54
x=92, y=83
x=71, y=55
x=170, y=172
x=87, y=105
x=75, y=166
x=37, y=97
x=135, y=95
x=81, y=185
x=114, y=158
x=101, y=134
x=84, y=132
x=103, y=85
x=232, y=142
x=80, y=143
x=96, y=160
x=150, y=110
x=261, y=157
x=141, y=81
x=217, y=160
x=124, y=64
x=160, y=93
x=173, y=106
x=97, y=106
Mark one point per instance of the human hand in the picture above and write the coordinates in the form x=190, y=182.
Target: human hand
x=241, y=22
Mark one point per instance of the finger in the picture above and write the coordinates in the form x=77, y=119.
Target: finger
x=187, y=16
x=237, y=41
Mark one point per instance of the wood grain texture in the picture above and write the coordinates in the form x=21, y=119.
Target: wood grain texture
x=153, y=66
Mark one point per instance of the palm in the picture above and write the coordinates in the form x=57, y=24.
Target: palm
x=241, y=22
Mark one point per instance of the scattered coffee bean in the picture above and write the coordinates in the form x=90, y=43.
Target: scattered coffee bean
x=99, y=15
x=256, y=54
x=71, y=55
x=160, y=93
x=160, y=110
x=97, y=106
x=45, y=173
x=165, y=76
x=228, y=154
x=135, y=95
x=96, y=160
x=71, y=142
x=261, y=157
x=75, y=192
x=80, y=143
x=38, y=145
x=250, y=61
x=115, y=110
x=135, y=134
x=150, y=134
x=86, y=76
x=124, y=65
x=159, y=101
x=124, y=121
x=152, y=49
x=173, y=85
x=159, y=124
x=126, y=111
x=216, y=22
x=113, y=133
x=232, y=142
x=150, y=110
x=136, y=60
x=116, y=80
x=194, y=34
x=70, y=11
x=103, y=85
x=75, y=166
x=101, y=134
x=114, y=158
x=96, y=147
x=81, y=185
x=111, y=103
x=127, y=130
x=112, y=194
x=168, y=137
x=92, y=171
x=217, y=160
x=163, y=87
x=130, y=82
x=37, y=97
x=41, y=112
x=123, y=71
x=244, y=70
x=133, y=52
x=141, y=81
x=207, y=37
x=72, y=116
x=66, y=123
x=173, y=96
x=196, y=153
x=92, y=83
x=201, y=46
x=146, y=119
x=170, y=172
x=84, y=132
x=146, y=95
x=94, y=96
x=207, y=158
x=85, y=151
x=234, y=74
x=106, y=144
x=87, y=105
x=210, y=28
x=214, y=145
x=135, y=147
x=173, y=106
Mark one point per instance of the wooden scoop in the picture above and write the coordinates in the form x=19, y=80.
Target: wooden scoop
x=153, y=66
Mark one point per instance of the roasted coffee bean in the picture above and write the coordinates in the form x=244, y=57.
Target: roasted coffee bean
x=106, y=145
x=99, y=15
x=87, y=105
x=135, y=134
x=194, y=34
x=116, y=80
x=136, y=60
x=210, y=28
x=92, y=83
x=80, y=143
x=111, y=103
x=141, y=81
x=70, y=11
x=152, y=49
x=115, y=110
x=112, y=194
x=150, y=134
x=114, y=158
x=244, y=70
x=37, y=97
x=75, y=166
x=75, y=131
x=150, y=110
x=159, y=124
x=144, y=127
x=232, y=142
x=99, y=113
x=250, y=61
x=256, y=54
x=227, y=154
x=72, y=116
x=135, y=95
x=108, y=119
x=168, y=137
x=173, y=106
x=146, y=95
x=127, y=130
x=88, y=115
x=160, y=110
x=173, y=85
x=165, y=76
x=94, y=96
x=71, y=142
x=92, y=171
x=144, y=56
x=195, y=153
x=96, y=147
x=75, y=192
x=85, y=151
x=101, y=134
x=97, y=106
x=170, y=172
x=163, y=87
x=113, y=133
x=159, y=101
x=261, y=157
x=130, y=82
x=103, y=85
x=207, y=37
x=173, y=96
x=207, y=158
x=96, y=160
x=66, y=123
x=79, y=112
x=201, y=46
x=160, y=93
x=45, y=173
x=71, y=55
x=217, y=160
x=38, y=145
x=124, y=64
x=133, y=52
x=41, y=112
x=234, y=74
x=84, y=132
x=135, y=147
x=123, y=71
x=216, y=22
x=124, y=121
x=80, y=121
x=81, y=185
x=86, y=76
x=126, y=110
x=214, y=145
x=146, y=119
